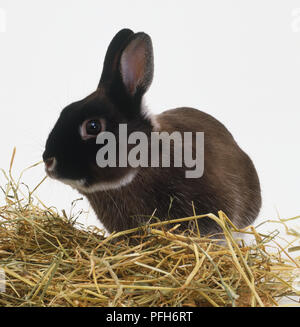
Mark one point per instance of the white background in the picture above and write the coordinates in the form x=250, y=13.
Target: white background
x=237, y=60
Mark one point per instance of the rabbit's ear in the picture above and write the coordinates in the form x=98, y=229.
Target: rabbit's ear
x=112, y=57
x=136, y=64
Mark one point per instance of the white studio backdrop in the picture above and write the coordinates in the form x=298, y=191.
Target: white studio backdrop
x=236, y=60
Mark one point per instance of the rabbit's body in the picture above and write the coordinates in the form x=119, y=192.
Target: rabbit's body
x=125, y=197
x=229, y=182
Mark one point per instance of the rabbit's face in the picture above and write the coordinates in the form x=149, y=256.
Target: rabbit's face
x=71, y=148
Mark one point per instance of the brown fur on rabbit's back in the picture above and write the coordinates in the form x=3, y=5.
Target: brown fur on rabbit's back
x=228, y=169
x=229, y=183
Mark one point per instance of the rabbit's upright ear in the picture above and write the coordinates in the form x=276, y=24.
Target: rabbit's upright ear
x=136, y=65
x=112, y=57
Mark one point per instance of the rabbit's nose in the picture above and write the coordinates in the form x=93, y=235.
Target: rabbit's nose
x=50, y=163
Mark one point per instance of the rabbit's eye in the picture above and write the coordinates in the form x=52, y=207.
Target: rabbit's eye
x=90, y=128
x=93, y=127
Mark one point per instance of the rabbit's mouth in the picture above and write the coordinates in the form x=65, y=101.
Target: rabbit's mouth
x=52, y=174
x=51, y=168
x=50, y=165
x=75, y=183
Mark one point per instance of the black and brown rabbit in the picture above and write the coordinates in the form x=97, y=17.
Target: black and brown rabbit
x=124, y=197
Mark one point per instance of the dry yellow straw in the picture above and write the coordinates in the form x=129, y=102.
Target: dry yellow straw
x=50, y=260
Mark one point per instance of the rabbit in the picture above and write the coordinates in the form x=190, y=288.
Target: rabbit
x=125, y=197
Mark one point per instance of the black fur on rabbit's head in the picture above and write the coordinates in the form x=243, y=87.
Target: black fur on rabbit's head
x=125, y=197
x=71, y=148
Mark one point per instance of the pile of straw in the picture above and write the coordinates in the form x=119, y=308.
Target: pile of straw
x=50, y=260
